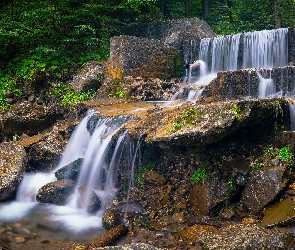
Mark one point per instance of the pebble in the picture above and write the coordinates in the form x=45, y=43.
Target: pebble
x=19, y=240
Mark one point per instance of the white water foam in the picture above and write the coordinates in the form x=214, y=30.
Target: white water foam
x=98, y=173
x=260, y=49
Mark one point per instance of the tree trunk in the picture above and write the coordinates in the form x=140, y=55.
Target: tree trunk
x=278, y=20
x=186, y=8
x=205, y=9
x=162, y=7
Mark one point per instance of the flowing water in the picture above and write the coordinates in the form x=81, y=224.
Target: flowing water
x=259, y=49
x=292, y=115
x=101, y=143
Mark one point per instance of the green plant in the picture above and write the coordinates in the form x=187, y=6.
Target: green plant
x=286, y=154
x=237, y=111
x=200, y=174
x=120, y=94
x=8, y=83
x=138, y=176
x=105, y=224
x=75, y=97
x=187, y=117
x=231, y=182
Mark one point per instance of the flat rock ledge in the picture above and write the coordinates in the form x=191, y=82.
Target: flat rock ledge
x=12, y=167
x=134, y=246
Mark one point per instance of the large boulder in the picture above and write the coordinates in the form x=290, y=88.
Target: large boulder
x=56, y=192
x=12, y=167
x=263, y=187
x=246, y=236
x=89, y=77
x=28, y=118
x=92, y=203
x=70, y=171
x=207, y=196
x=45, y=149
x=155, y=50
x=205, y=122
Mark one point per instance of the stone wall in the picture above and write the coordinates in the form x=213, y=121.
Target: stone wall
x=243, y=83
x=291, y=45
x=155, y=51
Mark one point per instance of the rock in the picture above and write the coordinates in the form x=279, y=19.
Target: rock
x=192, y=233
x=246, y=236
x=109, y=220
x=19, y=239
x=212, y=122
x=27, y=118
x=108, y=238
x=8, y=94
x=89, y=77
x=263, y=187
x=207, y=196
x=44, y=220
x=153, y=178
x=56, y=192
x=12, y=166
x=30, y=118
x=133, y=246
x=45, y=149
x=93, y=202
x=153, y=54
x=280, y=214
x=70, y=171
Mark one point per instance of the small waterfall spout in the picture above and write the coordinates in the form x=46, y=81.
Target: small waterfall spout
x=266, y=87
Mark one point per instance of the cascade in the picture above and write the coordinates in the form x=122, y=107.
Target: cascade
x=292, y=115
x=259, y=49
x=102, y=145
x=266, y=86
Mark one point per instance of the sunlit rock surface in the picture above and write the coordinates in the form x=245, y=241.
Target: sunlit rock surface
x=12, y=166
x=280, y=214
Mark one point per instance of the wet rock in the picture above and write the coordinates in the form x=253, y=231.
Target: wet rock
x=108, y=238
x=133, y=246
x=207, y=196
x=151, y=177
x=212, y=122
x=246, y=236
x=92, y=202
x=192, y=233
x=280, y=214
x=44, y=220
x=56, y=192
x=12, y=166
x=109, y=220
x=89, y=77
x=44, y=150
x=19, y=239
x=91, y=123
x=69, y=171
x=263, y=187
x=28, y=118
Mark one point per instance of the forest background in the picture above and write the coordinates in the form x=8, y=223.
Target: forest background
x=53, y=38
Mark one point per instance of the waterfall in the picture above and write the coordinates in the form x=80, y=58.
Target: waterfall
x=193, y=95
x=259, y=49
x=266, y=87
x=102, y=145
x=292, y=115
